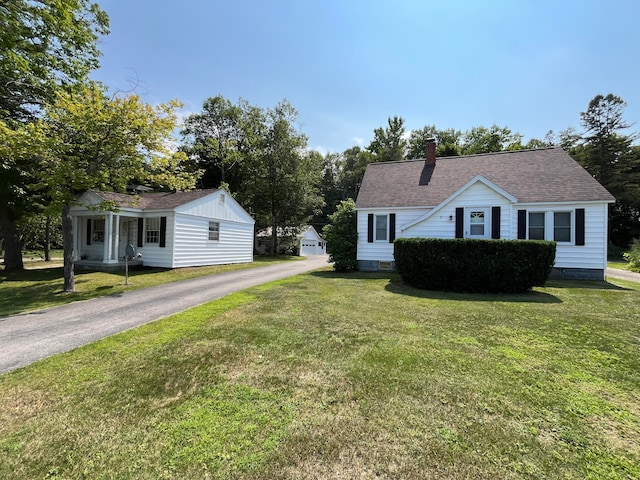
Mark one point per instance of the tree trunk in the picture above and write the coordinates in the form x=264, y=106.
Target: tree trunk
x=67, y=245
x=12, y=244
x=274, y=236
x=47, y=240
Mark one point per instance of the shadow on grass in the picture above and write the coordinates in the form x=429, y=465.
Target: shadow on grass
x=397, y=286
x=584, y=284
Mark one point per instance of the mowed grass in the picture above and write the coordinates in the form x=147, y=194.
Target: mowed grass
x=342, y=377
x=41, y=286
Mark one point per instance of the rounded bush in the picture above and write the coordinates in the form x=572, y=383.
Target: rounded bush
x=478, y=266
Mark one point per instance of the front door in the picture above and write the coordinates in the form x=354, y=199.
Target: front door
x=128, y=234
x=477, y=223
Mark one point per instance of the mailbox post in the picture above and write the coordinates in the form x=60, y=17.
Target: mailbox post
x=129, y=254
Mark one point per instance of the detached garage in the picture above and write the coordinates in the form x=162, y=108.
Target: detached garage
x=311, y=243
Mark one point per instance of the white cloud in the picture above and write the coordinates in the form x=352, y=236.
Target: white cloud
x=321, y=150
x=358, y=140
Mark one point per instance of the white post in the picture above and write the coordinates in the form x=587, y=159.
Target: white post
x=116, y=238
x=108, y=238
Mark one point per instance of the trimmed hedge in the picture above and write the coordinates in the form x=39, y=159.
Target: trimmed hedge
x=475, y=266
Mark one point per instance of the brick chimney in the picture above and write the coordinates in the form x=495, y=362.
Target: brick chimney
x=430, y=152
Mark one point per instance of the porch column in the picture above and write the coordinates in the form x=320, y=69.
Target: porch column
x=108, y=238
x=116, y=238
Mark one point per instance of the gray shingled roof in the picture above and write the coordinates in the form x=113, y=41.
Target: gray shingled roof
x=153, y=200
x=544, y=175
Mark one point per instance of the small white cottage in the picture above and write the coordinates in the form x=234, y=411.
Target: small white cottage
x=539, y=194
x=168, y=229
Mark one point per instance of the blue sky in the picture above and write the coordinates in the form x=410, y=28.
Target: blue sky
x=347, y=65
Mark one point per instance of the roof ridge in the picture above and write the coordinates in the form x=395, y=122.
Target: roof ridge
x=502, y=152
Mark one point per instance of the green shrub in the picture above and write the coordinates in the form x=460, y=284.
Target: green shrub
x=483, y=266
x=633, y=256
x=342, y=237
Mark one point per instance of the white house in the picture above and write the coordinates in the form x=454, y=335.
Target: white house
x=528, y=194
x=169, y=229
x=304, y=242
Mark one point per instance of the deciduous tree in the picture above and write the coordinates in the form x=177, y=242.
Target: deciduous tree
x=45, y=47
x=104, y=143
x=389, y=144
x=214, y=137
x=281, y=178
x=487, y=140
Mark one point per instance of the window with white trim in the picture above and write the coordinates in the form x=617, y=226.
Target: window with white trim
x=562, y=226
x=476, y=223
x=214, y=231
x=536, y=225
x=152, y=230
x=381, y=228
x=97, y=230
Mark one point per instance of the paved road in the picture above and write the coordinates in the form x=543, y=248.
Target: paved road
x=623, y=274
x=32, y=336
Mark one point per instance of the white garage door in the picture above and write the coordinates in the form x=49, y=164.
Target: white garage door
x=308, y=248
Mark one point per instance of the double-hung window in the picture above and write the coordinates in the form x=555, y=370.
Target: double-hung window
x=562, y=226
x=536, y=225
x=381, y=228
x=550, y=225
x=152, y=230
x=97, y=231
x=214, y=231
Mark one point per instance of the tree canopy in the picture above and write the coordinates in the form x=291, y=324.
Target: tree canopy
x=389, y=144
x=101, y=142
x=608, y=153
x=45, y=47
x=261, y=156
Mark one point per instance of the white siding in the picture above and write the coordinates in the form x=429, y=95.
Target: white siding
x=311, y=243
x=152, y=254
x=193, y=247
x=382, y=251
x=590, y=255
x=214, y=207
x=442, y=224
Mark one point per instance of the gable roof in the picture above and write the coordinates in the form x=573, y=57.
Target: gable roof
x=153, y=200
x=542, y=175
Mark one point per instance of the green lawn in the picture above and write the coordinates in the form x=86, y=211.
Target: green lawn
x=41, y=285
x=344, y=376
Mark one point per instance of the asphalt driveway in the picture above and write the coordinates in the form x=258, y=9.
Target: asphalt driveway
x=32, y=336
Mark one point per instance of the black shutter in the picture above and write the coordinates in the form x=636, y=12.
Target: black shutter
x=88, y=231
x=163, y=231
x=459, y=222
x=579, y=226
x=140, y=231
x=522, y=224
x=495, y=222
x=392, y=227
x=370, y=228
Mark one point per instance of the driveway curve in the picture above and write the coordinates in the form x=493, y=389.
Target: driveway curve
x=622, y=274
x=28, y=337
